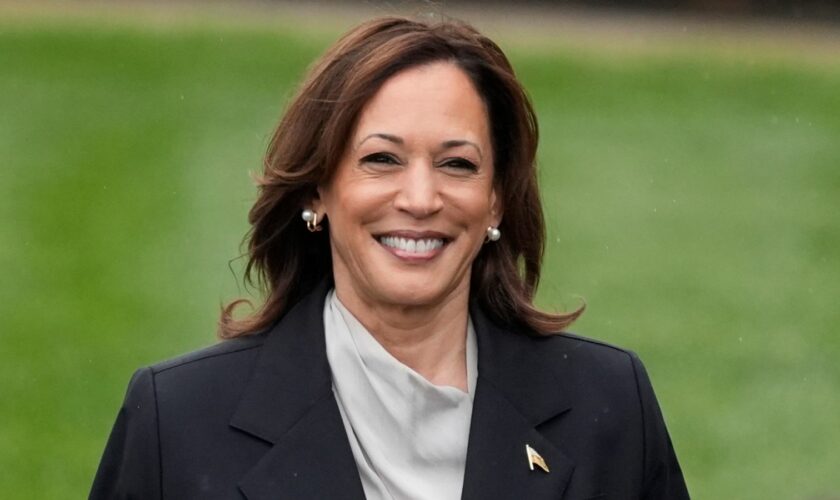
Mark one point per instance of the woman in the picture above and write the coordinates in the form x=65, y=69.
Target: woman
x=399, y=235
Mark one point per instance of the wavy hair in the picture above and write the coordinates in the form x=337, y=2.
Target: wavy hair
x=286, y=261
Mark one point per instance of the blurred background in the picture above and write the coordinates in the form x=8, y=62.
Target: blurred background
x=690, y=165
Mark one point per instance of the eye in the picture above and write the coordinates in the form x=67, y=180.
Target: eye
x=459, y=164
x=385, y=158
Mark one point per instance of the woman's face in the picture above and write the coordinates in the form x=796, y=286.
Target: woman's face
x=413, y=195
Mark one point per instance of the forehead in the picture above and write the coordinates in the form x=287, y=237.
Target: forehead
x=436, y=99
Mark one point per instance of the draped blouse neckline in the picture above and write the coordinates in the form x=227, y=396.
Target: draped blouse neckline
x=408, y=436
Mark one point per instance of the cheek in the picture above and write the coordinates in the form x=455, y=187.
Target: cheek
x=352, y=206
x=364, y=203
x=474, y=202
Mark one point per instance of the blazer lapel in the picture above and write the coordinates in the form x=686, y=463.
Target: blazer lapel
x=289, y=403
x=516, y=391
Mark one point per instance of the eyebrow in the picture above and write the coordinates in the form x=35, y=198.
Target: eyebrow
x=461, y=142
x=452, y=143
x=387, y=137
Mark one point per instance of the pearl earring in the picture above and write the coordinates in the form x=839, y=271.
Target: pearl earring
x=493, y=234
x=311, y=218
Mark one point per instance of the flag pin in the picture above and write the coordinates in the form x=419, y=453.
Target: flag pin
x=534, y=458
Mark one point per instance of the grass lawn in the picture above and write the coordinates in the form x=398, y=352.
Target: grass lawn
x=693, y=201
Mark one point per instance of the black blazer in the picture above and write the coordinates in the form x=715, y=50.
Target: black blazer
x=256, y=418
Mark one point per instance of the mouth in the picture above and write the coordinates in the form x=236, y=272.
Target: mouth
x=411, y=245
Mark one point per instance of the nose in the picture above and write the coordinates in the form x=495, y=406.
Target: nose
x=419, y=190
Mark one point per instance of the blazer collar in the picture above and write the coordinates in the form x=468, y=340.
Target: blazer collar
x=516, y=364
x=517, y=391
x=289, y=403
x=291, y=373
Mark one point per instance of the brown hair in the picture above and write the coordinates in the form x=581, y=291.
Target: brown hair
x=288, y=261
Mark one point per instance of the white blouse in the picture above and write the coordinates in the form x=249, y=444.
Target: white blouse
x=408, y=436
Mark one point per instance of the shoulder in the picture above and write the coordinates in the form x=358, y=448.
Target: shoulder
x=540, y=370
x=197, y=389
x=219, y=371
x=594, y=371
x=599, y=372
x=605, y=357
x=226, y=351
x=566, y=364
x=581, y=353
x=167, y=405
x=574, y=342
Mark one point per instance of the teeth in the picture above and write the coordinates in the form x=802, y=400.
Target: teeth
x=411, y=245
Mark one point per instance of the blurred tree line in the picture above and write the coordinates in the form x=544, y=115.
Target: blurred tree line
x=825, y=10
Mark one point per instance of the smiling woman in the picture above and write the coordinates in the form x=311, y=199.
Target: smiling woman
x=409, y=207
x=383, y=61
x=399, y=233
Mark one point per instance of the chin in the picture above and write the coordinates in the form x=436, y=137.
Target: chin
x=416, y=294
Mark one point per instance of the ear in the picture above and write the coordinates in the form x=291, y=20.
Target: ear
x=316, y=203
x=496, y=207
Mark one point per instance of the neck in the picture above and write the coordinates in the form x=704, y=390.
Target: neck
x=430, y=339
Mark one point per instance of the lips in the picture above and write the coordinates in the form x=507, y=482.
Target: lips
x=410, y=244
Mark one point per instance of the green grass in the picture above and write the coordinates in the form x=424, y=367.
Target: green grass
x=692, y=200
